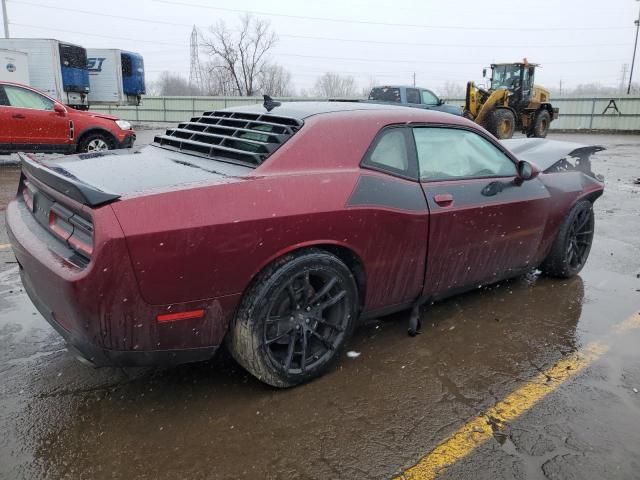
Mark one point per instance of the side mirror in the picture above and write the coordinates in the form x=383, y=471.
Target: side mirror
x=59, y=109
x=484, y=73
x=440, y=101
x=527, y=171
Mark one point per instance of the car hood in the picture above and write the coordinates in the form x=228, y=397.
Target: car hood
x=83, y=113
x=102, y=177
x=546, y=153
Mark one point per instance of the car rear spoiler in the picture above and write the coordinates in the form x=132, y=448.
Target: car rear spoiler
x=62, y=181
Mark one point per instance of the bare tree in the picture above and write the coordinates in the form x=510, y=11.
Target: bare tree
x=366, y=90
x=217, y=80
x=275, y=80
x=173, y=84
x=335, y=85
x=452, y=90
x=241, y=53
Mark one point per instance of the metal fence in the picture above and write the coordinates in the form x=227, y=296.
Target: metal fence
x=576, y=113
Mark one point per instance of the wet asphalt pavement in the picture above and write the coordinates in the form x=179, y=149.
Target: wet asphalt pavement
x=373, y=416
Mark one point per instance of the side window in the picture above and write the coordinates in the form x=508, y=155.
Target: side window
x=23, y=98
x=413, y=95
x=389, y=153
x=429, y=98
x=447, y=153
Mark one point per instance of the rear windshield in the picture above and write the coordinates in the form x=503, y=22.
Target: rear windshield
x=72, y=56
x=385, y=94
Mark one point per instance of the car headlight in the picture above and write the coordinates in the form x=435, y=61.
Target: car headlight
x=123, y=124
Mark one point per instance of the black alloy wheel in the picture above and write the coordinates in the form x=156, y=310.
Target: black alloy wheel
x=579, y=239
x=306, y=321
x=572, y=245
x=295, y=318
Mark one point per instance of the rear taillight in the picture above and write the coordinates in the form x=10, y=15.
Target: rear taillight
x=81, y=240
x=65, y=224
x=27, y=195
x=59, y=222
x=71, y=228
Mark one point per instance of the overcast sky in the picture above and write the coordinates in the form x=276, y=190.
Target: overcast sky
x=576, y=41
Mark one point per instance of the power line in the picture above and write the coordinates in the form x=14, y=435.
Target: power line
x=454, y=45
x=111, y=37
x=349, y=59
x=386, y=24
x=88, y=12
x=322, y=38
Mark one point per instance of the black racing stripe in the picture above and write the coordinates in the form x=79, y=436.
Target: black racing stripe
x=388, y=192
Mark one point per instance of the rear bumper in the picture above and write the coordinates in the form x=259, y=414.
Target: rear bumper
x=97, y=356
x=98, y=309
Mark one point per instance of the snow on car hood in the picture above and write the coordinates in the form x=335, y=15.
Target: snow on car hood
x=546, y=153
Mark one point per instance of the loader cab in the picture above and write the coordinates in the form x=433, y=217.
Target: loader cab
x=518, y=78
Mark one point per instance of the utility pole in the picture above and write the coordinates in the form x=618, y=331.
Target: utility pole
x=635, y=47
x=560, y=94
x=195, y=73
x=5, y=18
x=414, y=79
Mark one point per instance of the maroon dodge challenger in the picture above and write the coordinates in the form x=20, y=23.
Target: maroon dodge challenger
x=275, y=228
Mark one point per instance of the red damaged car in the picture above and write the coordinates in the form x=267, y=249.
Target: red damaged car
x=276, y=228
x=34, y=122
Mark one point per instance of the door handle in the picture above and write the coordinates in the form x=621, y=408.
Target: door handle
x=18, y=115
x=443, y=199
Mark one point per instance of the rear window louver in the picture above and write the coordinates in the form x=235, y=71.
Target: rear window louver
x=236, y=137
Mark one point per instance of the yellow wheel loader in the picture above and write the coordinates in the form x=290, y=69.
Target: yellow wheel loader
x=512, y=102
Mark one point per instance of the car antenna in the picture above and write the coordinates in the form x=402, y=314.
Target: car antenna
x=269, y=103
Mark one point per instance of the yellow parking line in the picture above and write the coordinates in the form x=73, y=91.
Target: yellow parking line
x=630, y=323
x=477, y=431
x=5, y=246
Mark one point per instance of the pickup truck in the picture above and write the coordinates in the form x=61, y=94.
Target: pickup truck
x=412, y=97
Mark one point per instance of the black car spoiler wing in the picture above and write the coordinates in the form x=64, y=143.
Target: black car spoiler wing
x=62, y=181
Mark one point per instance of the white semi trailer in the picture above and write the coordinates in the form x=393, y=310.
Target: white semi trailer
x=14, y=66
x=116, y=76
x=57, y=68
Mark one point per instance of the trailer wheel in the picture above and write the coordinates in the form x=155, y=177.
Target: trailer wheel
x=502, y=123
x=541, y=125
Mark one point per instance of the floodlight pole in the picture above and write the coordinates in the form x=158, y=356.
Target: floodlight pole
x=5, y=18
x=635, y=47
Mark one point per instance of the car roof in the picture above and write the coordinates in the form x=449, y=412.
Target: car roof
x=302, y=110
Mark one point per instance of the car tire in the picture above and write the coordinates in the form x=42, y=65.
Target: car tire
x=502, y=123
x=572, y=245
x=541, y=124
x=288, y=329
x=95, y=142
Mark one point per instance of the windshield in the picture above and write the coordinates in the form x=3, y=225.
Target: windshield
x=505, y=76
